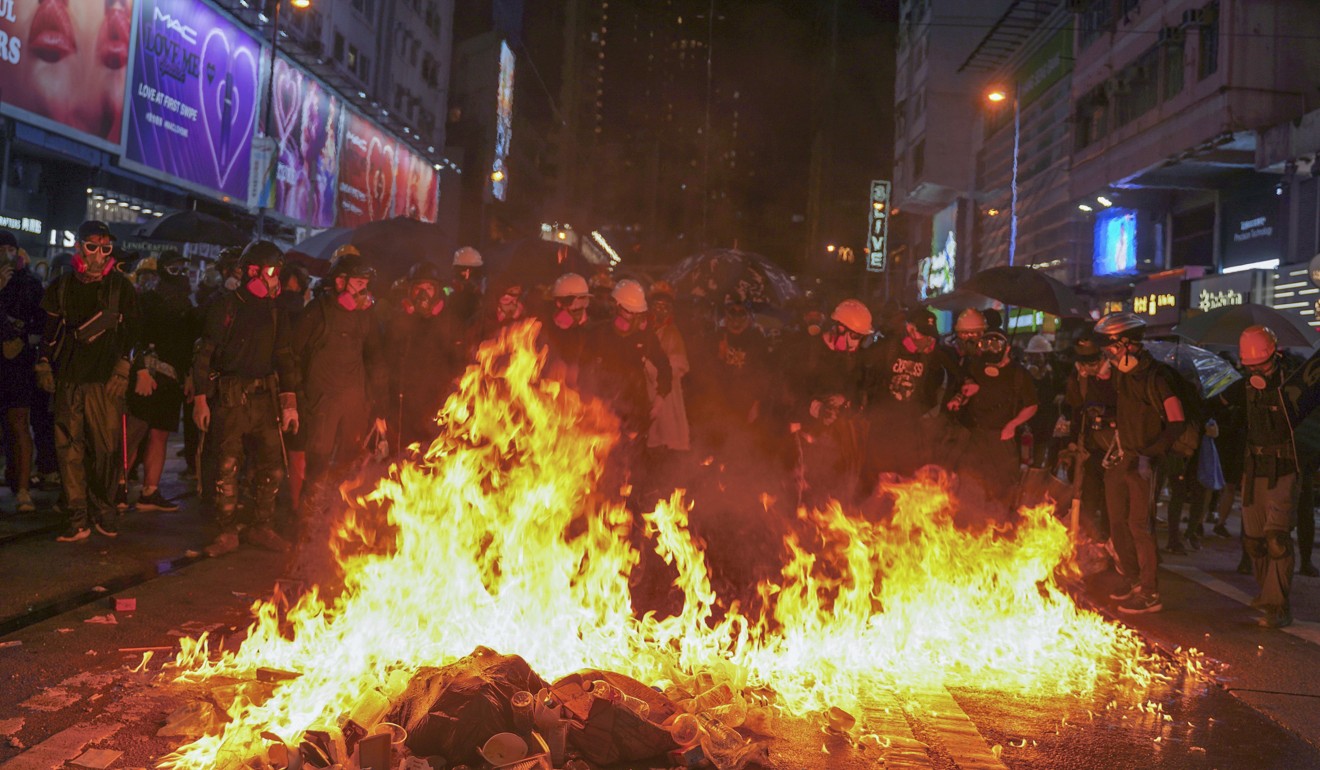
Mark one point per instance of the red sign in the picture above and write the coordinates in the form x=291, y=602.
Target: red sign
x=368, y=165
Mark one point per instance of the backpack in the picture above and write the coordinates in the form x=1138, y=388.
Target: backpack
x=1187, y=442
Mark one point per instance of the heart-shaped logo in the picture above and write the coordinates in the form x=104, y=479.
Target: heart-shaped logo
x=381, y=167
x=287, y=94
x=228, y=103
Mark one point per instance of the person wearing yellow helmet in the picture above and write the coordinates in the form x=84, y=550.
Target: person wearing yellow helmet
x=1269, y=495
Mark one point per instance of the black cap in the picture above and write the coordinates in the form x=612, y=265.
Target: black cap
x=1086, y=350
x=924, y=321
x=7, y=239
x=93, y=227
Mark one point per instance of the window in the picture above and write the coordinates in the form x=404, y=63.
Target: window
x=1172, y=61
x=339, y=47
x=364, y=67
x=1092, y=117
x=1137, y=88
x=918, y=159
x=1208, y=60
x=1096, y=18
x=352, y=60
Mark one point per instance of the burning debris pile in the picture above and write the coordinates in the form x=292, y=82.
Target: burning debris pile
x=496, y=538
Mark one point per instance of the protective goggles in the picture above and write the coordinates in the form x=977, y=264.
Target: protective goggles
x=843, y=331
x=104, y=248
x=175, y=269
x=992, y=344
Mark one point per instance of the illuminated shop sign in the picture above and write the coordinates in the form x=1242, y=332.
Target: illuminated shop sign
x=30, y=225
x=877, y=239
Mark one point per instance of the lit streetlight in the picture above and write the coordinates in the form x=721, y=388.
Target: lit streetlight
x=497, y=176
x=270, y=96
x=998, y=96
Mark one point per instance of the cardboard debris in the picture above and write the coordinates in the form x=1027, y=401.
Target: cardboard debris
x=105, y=620
x=97, y=759
x=125, y=604
x=192, y=720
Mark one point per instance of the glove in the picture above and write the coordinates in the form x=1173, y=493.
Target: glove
x=45, y=376
x=117, y=385
x=13, y=347
x=145, y=384
x=289, y=412
x=201, y=413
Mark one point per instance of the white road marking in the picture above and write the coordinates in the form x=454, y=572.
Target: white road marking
x=1302, y=629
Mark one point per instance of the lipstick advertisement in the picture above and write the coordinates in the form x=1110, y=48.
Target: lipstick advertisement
x=416, y=194
x=368, y=165
x=194, y=97
x=307, y=126
x=63, y=65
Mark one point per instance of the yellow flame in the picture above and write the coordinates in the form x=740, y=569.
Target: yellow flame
x=497, y=536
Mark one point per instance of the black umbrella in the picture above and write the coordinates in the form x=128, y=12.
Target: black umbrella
x=395, y=245
x=1029, y=288
x=193, y=227
x=533, y=261
x=1223, y=326
x=718, y=272
x=323, y=244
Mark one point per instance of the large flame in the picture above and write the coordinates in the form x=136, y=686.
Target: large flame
x=498, y=536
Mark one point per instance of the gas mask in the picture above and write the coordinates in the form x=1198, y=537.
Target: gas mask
x=263, y=281
x=353, y=294
x=627, y=322
x=737, y=319
x=570, y=311
x=1260, y=375
x=842, y=339
x=510, y=307
x=916, y=342
x=92, y=261
x=424, y=299
x=148, y=280
x=1119, y=353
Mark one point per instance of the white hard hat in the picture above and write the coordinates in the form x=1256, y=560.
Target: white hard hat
x=571, y=285
x=630, y=295
x=1039, y=344
x=854, y=315
x=467, y=257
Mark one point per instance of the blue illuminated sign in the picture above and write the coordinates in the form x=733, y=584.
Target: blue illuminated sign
x=1115, y=251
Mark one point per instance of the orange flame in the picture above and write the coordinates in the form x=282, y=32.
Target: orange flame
x=497, y=537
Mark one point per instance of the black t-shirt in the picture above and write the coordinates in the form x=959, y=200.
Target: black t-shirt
x=1141, y=396
x=77, y=302
x=911, y=378
x=244, y=336
x=170, y=324
x=1000, y=398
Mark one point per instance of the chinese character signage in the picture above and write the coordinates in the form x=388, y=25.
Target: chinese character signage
x=877, y=241
x=193, y=104
x=64, y=66
x=306, y=125
x=1159, y=302
x=1222, y=291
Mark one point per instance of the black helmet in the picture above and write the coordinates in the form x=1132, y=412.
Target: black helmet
x=425, y=271
x=260, y=254
x=1121, y=325
x=296, y=272
x=351, y=265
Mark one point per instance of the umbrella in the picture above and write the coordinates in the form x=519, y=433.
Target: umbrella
x=322, y=245
x=718, y=272
x=961, y=298
x=1029, y=288
x=1210, y=373
x=193, y=227
x=395, y=245
x=536, y=261
x=1223, y=326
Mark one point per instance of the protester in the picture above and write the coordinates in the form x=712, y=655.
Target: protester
x=564, y=329
x=669, y=430
x=466, y=285
x=92, y=325
x=732, y=378
x=1150, y=419
x=1092, y=406
x=1036, y=360
x=968, y=329
x=295, y=291
x=21, y=320
x=246, y=381
x=999, y=399
x=426, y=355
x=1269, y=491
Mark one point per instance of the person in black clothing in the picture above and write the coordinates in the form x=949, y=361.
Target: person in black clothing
x=295, y=288
x=1150, y=419
x=999, y=398
x=466, y=287
x=170, y=326
x=1091, y=402
x=92, y=323
x=826, y=383
x=903, y=384
x=564, y=329
x=246, y=382
x=21, y=320
x=1269, y=487
x=426, y=355
x=732, y=372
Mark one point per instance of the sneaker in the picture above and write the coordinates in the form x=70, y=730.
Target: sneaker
x=107, y=527
x=266, y=538
x=227, y=542
x=1194, y=542
x=1141, y=603
x=1123, y=594
x=1222, y=531
x=1276, y=617
x=24, y=500
x=74, y=534
x=156, y=502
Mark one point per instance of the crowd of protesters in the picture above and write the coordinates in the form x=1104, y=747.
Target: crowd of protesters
x=282, y=384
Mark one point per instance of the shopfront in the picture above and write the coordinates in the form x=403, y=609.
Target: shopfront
x=1217, y=291
x=1296, y=292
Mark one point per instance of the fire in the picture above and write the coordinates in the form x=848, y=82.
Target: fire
x=497, y=535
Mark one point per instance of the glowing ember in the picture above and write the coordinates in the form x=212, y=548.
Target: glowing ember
x=496, y=537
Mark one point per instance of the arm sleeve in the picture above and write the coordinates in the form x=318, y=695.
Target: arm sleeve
x=213, y=330
x=290, y=345
x=130, y=311
x=1163, y=391
x=50, y=303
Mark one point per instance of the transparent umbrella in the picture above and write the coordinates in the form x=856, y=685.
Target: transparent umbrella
x=1210, y=373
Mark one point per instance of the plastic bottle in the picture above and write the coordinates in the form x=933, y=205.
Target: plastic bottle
x=723, y=746
x=685, y=730
x=606, y=691
x=720, y=695
x=733, y=713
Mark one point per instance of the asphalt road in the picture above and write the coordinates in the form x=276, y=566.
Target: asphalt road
x=69, y=683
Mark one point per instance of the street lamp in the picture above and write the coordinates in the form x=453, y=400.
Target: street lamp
x=270, y=96
x=997, y=96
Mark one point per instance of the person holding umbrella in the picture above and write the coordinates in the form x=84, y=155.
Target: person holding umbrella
x=1269, y=488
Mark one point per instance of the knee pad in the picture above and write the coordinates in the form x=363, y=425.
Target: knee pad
x=1279, y=545
x=1257, y=548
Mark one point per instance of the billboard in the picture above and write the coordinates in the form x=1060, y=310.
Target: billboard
x=368, y=165
x=417, y=187
x=877, y=238
x=1115, y=249
x=306, y=126
x=503, y=125
x=195, y=96
x=63, y=66
x=935, y=274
